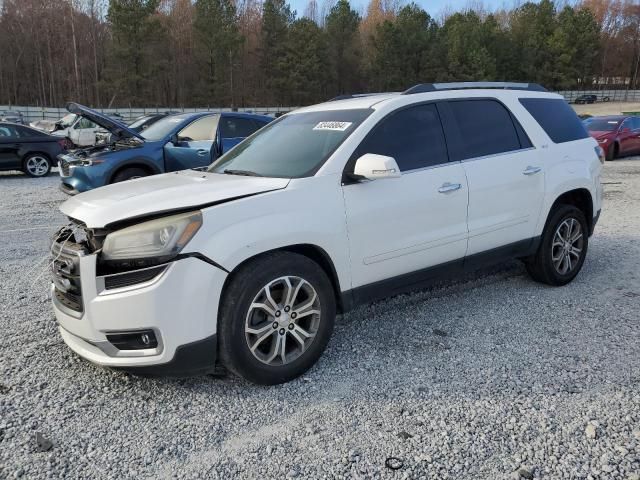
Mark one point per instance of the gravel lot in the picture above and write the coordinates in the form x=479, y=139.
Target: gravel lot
x=490, y=377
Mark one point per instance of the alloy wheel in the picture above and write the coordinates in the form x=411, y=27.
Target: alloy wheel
x=567, y=245
x=37, y=166
x=283, y=320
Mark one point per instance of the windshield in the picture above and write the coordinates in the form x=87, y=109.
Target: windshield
x=293, y=146
x=67, y=120
x=162, y=128
x=139, y=121
x=602, y=125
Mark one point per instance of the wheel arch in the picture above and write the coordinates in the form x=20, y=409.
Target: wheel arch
x=580, y=198
x=313, y=252
x=137, y=163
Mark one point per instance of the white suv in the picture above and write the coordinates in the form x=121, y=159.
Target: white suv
x=247, y=264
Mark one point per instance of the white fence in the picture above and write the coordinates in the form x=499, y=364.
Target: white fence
x=51, y=113
x=32, y=114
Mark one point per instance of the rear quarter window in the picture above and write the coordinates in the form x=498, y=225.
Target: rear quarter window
x=556, y=118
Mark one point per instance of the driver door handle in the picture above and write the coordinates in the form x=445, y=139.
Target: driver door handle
x=449, y=187
x=202, y=152
x=531, y=170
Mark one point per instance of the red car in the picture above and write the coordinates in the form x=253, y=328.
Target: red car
x=618, y=135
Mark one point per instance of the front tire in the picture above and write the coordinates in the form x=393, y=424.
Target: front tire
x=129, y=174
x=37, y=165
x=612, y=152
x=562, y=249
x=276, y=318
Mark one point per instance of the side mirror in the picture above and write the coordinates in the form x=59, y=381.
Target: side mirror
x=175, y=140
x=374, y=167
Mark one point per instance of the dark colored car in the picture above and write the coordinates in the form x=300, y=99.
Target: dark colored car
x=618, y=135
x=176, y=142
x=27, y=149
x=586, y=99
x=12, y=116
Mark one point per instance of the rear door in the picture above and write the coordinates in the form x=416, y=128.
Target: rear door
x=193, y=146
x=401, y=225
x=9, y=147
x=506, y=179
x=234, y=129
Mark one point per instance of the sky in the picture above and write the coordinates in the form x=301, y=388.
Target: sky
x=433, y=7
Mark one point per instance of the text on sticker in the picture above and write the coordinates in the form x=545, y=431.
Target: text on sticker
x=338, y=126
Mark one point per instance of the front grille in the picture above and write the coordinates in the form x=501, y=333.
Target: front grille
x=65, y=269
x=132, y=278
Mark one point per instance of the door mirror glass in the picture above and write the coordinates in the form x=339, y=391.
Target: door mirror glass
x=373, y=167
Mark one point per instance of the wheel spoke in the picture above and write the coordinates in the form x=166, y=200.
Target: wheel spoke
x=258, y=331
x=276, y=349
x=302, y=331
x=267, y=292
x=307, y=313
x=568, y=257
x=263, y=306
x=289, y=290
x=575, y=251
x=260, y=340
x=306, y=305
x=283, y=348
x=297, y=336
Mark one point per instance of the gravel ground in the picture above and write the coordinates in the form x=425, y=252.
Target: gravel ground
x=490, y=377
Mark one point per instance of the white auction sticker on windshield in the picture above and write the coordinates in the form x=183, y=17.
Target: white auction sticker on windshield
x=337, y=126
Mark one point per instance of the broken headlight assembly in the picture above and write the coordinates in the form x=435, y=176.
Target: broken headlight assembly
x=150, y=243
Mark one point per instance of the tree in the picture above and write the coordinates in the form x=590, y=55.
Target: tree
x=217, y=42
x=135, y=32
x=344, y=52
x=276, y=19
x=305, y=63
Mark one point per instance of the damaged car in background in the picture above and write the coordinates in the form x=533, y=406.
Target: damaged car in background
x=175, y=142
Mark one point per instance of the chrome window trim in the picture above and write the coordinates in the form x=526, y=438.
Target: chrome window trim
x=510, y=152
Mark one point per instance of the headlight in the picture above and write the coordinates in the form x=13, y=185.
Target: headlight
x=603, y=140
x=159, y=239
x=88, y=162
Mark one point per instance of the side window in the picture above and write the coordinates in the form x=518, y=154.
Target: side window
x=485, y=127
x=84, y=123
x=413, y=136
x=202, y=129
x=235, y=127
x=635, y=123
x=8, y=131
x=28, y=132
x=556, y=118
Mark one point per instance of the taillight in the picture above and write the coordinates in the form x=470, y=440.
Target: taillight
x=600, y=152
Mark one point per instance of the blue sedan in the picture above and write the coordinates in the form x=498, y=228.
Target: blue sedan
x=176, y=142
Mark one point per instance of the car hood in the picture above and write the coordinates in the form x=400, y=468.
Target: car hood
x=164, y=193
x=116, y=128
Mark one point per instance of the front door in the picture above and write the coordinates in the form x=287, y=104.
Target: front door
x=407, y=224
x=192, y=145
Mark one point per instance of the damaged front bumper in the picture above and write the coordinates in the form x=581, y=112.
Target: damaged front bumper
x=175, y=305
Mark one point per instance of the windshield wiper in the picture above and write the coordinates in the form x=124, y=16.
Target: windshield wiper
x=246, y=173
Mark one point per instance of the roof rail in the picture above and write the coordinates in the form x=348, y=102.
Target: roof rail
x=435, y=87
x=347, y=96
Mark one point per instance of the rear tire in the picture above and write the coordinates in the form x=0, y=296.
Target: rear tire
x=129, y=174
x=36, y=165
x=562, y=249
x=277, y=299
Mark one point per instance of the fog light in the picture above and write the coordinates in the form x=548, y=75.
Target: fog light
x=138, y=340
